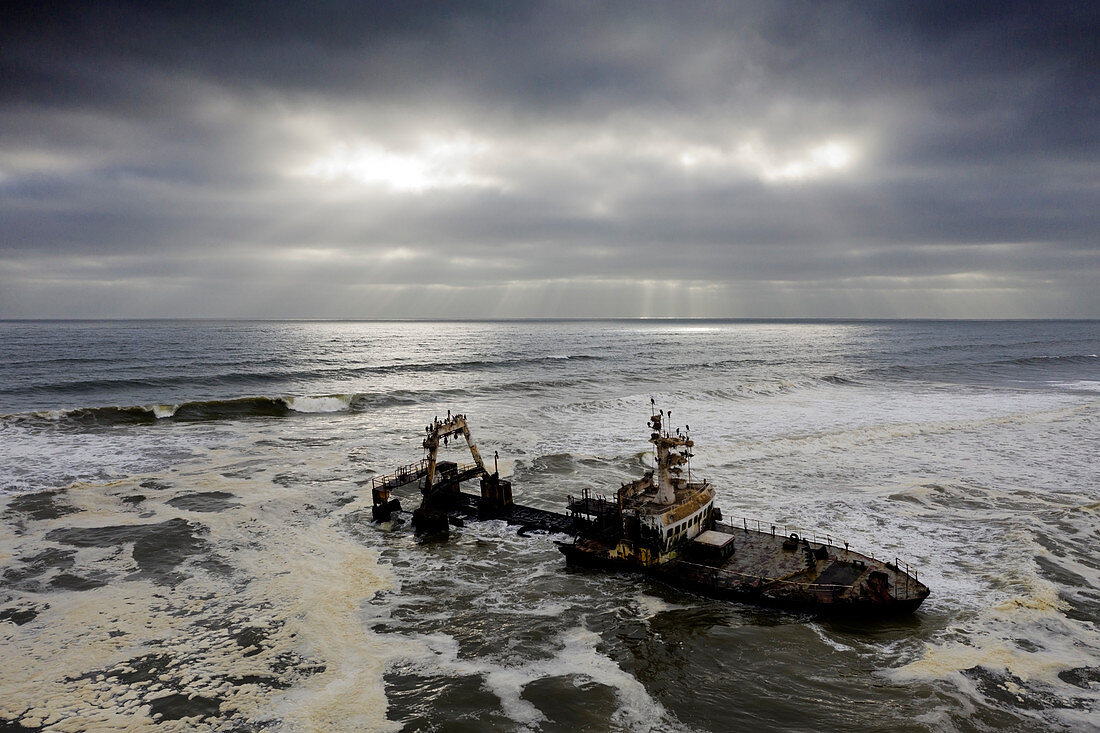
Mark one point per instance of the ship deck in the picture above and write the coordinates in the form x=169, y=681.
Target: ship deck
x=776, y=567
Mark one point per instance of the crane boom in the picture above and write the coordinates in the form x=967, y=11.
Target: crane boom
x=441, y=430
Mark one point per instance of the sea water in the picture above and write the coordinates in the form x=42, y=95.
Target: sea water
x=185, y=534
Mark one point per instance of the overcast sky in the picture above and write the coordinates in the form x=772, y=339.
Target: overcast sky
x=432, y=159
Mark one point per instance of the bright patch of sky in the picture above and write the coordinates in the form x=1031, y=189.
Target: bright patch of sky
x=435, y=163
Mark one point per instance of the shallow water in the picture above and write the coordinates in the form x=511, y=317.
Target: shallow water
x=186, y=539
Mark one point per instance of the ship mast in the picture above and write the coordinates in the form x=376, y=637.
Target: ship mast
x=673, y=452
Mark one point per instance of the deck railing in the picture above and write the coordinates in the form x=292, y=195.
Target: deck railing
x=403, y=475
x=815, y=538
x=411, y=472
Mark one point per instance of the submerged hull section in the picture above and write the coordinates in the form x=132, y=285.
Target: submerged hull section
x=774, y=570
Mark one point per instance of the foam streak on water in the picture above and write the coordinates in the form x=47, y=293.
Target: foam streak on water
x=186, y=540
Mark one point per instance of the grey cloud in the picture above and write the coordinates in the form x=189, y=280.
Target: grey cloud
x=160, y=143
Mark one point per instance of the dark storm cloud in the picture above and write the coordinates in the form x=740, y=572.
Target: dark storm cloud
x=811, y=158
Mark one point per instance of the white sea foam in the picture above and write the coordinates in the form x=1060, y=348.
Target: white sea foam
x=1079, y=385
x=324, y=403
x=828, y=640
x=649, y=606
x=305, y=585
x=51, y=414
x=577, y=656
x=1021, y=630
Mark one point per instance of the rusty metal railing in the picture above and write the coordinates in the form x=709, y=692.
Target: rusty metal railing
x=403, y=475
x=826, y=539
x=410, y=473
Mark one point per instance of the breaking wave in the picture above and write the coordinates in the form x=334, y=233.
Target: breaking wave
x=745, y=389
x=197, y=410
x=326, y=403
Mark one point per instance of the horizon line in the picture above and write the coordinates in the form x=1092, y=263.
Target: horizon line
x=545, y=319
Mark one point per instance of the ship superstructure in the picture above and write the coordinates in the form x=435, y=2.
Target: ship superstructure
x=651, y=519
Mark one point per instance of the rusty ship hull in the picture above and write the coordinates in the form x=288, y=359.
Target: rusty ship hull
x=779, y=571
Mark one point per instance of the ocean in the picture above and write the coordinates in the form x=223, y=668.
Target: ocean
x=187, y=542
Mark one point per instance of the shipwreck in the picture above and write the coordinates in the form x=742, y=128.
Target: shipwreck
x=664, y=525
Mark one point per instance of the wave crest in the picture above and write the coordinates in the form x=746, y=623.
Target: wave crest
x=324, y=403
